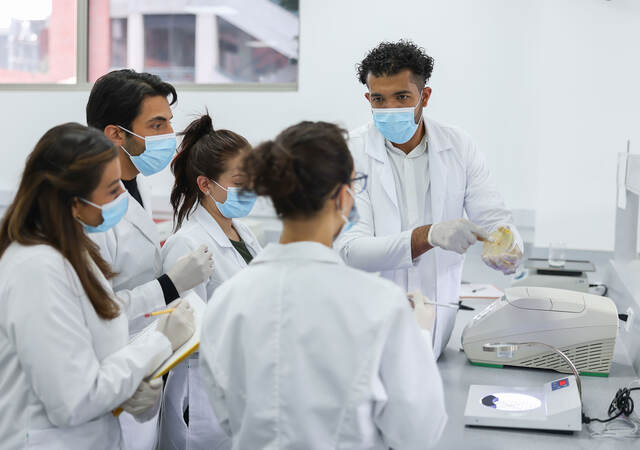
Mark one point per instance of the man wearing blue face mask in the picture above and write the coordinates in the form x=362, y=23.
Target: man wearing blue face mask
x=423, y=177
x=134, y=112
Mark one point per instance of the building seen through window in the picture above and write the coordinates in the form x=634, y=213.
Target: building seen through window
x=38, y=41
x=183, y=41
x=196, y=41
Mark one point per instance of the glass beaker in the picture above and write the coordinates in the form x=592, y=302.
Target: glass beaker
x=557, y=254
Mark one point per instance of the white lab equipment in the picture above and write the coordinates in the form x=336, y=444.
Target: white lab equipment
x=571, y=275
x=553, y=406
x=583, y=326
x=455, y=180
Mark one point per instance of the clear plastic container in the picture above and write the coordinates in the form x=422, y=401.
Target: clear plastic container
x=500, y=241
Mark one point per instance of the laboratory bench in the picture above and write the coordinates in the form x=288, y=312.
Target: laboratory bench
x=458, y=374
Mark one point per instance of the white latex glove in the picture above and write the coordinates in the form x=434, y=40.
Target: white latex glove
x=425, y=313
x=455, y=235
x=145, y=397
x=179, y=325
x=192, y=269
x=506, y=263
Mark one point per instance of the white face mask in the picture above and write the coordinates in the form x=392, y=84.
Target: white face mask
x=158, y=152
x=239, y=202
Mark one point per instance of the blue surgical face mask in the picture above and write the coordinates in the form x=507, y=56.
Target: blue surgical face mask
x=158, y=151
x=239, y=203
x=112, y=213
x=353, y=215
x=398, y=125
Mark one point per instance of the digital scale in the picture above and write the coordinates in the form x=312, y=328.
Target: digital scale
x=553, y=406
x=572, y=275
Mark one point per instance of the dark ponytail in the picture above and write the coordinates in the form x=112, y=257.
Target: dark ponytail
x=203, y=151
x=301, y=168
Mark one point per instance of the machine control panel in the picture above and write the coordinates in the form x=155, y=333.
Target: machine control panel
x=559, y=384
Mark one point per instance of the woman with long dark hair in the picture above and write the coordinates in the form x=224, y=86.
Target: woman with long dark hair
x=301, y=351
x=65, y=357
x=207, y=200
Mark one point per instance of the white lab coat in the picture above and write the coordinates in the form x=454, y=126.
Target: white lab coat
x=184, y=382
x=301, y=351
x=200, y=229
x=132, y=249
x=459, y=182
x=63, y=368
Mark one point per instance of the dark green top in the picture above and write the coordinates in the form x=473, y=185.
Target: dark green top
x=241, y=248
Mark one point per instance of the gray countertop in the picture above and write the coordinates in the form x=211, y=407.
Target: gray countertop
x=457, y=374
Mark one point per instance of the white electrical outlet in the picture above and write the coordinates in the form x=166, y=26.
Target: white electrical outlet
x=629, y=323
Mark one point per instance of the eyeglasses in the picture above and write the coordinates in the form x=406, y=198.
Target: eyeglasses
x=359, y=182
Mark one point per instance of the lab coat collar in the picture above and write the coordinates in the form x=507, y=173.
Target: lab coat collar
x=214, y=230
x=141, y=218
x=145, y=192
x=436, y=140
x=417, y=152
x=298, y=251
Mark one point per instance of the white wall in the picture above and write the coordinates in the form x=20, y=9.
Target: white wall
x=588, y=105
x=544, y=86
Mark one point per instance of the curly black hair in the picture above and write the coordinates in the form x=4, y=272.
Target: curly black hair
x=390, y=58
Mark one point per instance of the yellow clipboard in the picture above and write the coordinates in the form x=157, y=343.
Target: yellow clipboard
x=185, y=350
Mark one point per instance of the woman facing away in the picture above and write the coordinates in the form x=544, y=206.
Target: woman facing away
x=65, y=357
x=301, y=351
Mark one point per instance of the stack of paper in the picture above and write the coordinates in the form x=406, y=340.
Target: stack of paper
x=186, y=349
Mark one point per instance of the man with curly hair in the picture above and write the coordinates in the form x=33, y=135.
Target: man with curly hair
x=422, y=178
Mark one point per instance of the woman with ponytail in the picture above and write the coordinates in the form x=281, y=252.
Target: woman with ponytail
x=65, y=357
x=302, y=351
x=207, y=198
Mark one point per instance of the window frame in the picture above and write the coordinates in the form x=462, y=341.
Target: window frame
x=82, y=69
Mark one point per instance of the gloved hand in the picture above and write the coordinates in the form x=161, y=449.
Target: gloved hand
x=455, y=235
x=145, y=397
x=192, y=269
x=507, y=263
x=425, y=313
x=179, y=325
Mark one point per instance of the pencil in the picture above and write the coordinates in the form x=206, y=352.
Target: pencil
x=157, y=313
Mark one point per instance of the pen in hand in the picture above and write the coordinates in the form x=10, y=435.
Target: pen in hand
x=157, y=313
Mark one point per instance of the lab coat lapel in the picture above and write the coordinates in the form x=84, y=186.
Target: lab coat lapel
x=145, y=193
x=376, y=150
x=437, y=143
x=141, y=219
x=211, y=226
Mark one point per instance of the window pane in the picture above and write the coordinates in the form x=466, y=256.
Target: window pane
x=196, y=41
x=169, y=44
x=38, y=41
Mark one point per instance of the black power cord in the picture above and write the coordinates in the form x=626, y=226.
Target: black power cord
x=622, y=403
